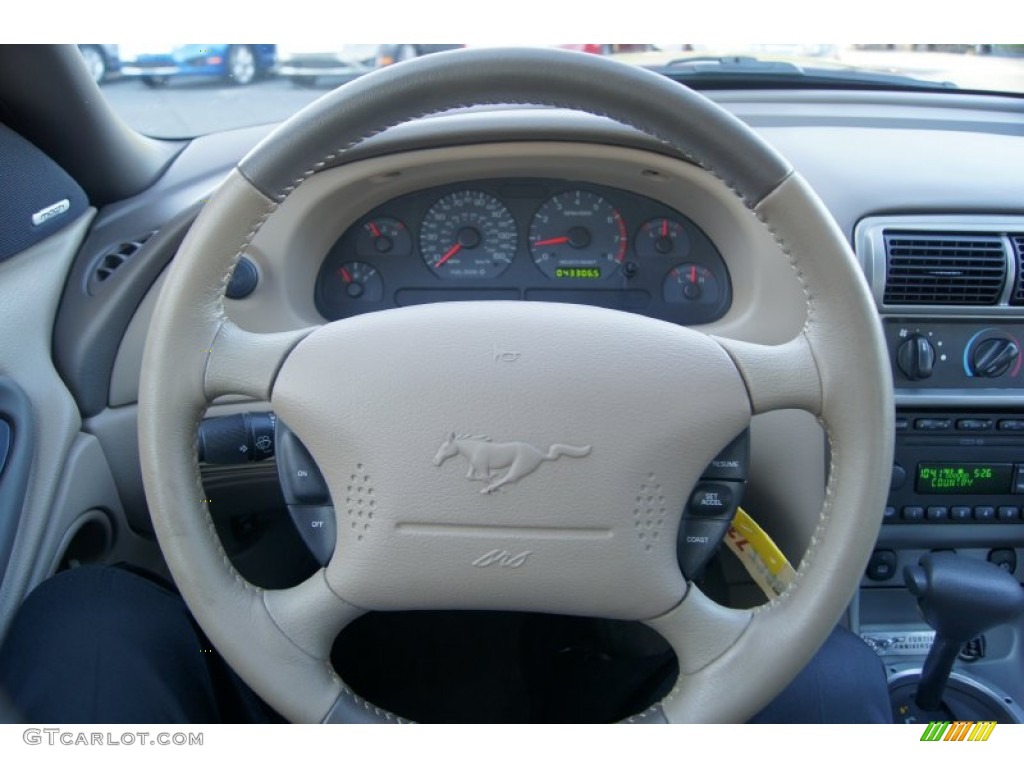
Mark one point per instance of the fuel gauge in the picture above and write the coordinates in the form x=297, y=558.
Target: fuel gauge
x=383, y=236
x=357, y=281
x=691, y=284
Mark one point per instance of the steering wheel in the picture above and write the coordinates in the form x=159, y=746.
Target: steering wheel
x=411, y=530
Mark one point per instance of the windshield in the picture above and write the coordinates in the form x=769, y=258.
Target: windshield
x=174, y=90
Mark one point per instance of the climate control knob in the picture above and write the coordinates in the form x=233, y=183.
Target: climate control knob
x=916, y=358
x=993, y=357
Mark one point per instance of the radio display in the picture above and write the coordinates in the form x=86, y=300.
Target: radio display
x=964, y=478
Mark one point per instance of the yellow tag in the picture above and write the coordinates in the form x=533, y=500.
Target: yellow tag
x=764, y=561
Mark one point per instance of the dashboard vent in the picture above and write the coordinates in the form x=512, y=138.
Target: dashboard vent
x=113, y=258
x=1018, y=249
x=947, y=268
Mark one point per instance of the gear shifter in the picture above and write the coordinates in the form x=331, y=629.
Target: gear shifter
x=959, y=598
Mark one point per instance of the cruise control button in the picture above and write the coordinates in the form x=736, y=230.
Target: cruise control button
x=699, y=539
x=301, y=481
x=985, y=513
x=1008, y=513
x=913, y=513
x=731, y=463
x=937, y=513
x=714, y=500
x=960, y=513
x=317, y=528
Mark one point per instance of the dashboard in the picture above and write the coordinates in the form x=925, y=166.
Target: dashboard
x=544, y=205
x=532, y=239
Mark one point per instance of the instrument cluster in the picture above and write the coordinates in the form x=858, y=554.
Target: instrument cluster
x=526, y=239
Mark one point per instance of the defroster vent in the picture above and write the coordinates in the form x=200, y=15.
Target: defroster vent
x=109, y=262
x=947, y=268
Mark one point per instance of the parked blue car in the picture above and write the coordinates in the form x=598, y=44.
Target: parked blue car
x=156, y=65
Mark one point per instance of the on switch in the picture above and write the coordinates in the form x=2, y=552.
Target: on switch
x=300, y=477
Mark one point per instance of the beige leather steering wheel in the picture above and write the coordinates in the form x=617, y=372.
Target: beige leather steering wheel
x=410, y=529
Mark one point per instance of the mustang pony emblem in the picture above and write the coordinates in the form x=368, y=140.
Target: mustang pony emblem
x=487, y=459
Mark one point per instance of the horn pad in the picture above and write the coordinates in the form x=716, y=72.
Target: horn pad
x=508, y=455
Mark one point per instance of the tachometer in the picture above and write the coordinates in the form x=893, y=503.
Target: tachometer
x=468, y=234
x=578, y=234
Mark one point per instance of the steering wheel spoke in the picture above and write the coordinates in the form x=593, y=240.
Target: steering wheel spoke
x=310, y=614
x=776, y=377
x=244, y=363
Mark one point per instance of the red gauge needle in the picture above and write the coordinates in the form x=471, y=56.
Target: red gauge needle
x=693, y=274
x=664, y=227
x=345, y=275
x=451, y=252
x=553, y=241
x=373, y=230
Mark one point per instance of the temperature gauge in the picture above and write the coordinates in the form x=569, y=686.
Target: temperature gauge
x=383, y=236
x=356, y=281
x=691, y=284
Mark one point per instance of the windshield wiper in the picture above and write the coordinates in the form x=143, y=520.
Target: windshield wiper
x=750, y=70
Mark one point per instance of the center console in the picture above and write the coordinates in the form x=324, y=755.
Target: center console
x=950, y=293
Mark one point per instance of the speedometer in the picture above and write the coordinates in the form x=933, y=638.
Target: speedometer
x=578, y=235
x=468, y=234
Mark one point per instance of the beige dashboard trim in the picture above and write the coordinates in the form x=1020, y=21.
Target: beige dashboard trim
x=30, y=291
x=768, y=306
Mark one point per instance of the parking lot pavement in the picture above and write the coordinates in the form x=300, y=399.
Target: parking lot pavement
x=194, y=106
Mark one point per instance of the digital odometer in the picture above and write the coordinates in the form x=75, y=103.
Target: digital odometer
x=578, y=273
x=964, y=478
